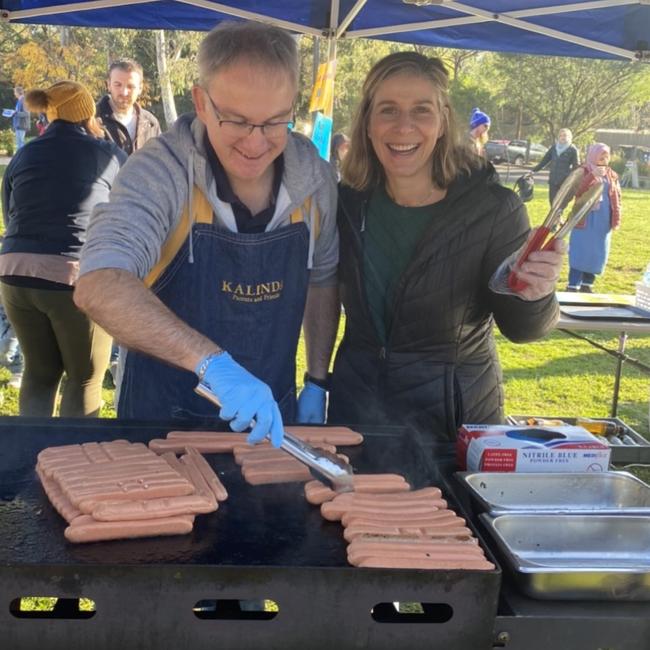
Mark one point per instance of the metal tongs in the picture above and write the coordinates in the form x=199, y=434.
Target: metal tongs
x=324, y=465
x=573, y=189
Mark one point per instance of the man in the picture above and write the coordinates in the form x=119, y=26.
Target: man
x=20, y=121
x=125, y=122
x=563, y=157
x=218, y=241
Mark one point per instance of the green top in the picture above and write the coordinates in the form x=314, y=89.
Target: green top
x=391, y=235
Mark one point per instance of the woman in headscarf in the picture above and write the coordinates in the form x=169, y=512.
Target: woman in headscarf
x=590, y=239
x=563, y=157
x=49, y=190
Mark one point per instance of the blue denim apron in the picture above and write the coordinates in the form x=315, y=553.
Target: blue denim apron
x=246, y=292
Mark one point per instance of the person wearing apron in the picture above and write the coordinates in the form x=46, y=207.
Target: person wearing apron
x=173, y=269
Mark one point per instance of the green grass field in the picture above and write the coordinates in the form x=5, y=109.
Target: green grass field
x=558, y=375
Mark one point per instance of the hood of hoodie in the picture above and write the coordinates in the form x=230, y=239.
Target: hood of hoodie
x=303, y=172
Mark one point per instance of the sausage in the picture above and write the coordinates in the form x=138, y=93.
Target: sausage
x=316, y=492
x=213, y=481
x=89, y=453
x=176, y=465
x=224, y=436
x=333, y=511
x=92, y=485
x=113, y=470
x=396, y=517
x=268, y=475
x=441, y=519
x=86, y=529
x=198, y=480
x=379, y=483
x=356, y=557
x=442, y=564
x=448, y=538
x=243, y=453
x=133, y=492
x=153, y=508
x=61, y=503
x=284, y=462
x=358, y=550
x=343, y=436
x=78, y=460
x=355, y=530
x=425, y=495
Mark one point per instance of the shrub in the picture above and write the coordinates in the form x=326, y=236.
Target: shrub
x=7, y=142
x=617, y=163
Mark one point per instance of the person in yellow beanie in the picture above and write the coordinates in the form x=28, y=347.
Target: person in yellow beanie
x=65, y=100
x=49, y=190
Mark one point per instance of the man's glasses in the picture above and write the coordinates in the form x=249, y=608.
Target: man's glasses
x=236, y=128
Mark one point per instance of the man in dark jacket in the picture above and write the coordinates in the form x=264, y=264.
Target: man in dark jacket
x=563, y=157
x=125, y=122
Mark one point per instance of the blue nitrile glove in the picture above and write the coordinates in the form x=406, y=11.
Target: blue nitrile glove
x=243, y=398
x=311, y=404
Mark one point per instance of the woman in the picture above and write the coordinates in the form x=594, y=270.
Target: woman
x=338, y=149
x=563, y=157
x=423, y=226
x=50, y=188
x=591, y=238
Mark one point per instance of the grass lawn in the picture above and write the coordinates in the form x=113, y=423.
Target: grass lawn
x=559, y=375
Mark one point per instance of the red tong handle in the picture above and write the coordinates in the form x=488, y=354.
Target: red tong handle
x=536, y=243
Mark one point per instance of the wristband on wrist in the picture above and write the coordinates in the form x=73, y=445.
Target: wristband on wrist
x=321, y=383
x=202, y=368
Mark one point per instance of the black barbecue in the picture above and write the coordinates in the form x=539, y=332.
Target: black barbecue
x=265, y=543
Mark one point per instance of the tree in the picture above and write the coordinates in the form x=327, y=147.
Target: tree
x=169, y=106
x=581, y=94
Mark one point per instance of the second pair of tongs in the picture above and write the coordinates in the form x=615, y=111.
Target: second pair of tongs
x=585, y=192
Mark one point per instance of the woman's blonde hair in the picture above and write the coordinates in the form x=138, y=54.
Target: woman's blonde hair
x=361, y=168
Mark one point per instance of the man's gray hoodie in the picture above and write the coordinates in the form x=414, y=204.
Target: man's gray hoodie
x=151, y=191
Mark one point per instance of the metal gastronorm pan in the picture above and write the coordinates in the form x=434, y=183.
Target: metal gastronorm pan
x=601, y=493
x=575, y=557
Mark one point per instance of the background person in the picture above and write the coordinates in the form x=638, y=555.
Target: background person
x=219, y=240
x=562, y=158
x=20, y=120
x=591, y=238
x=126, y=123
x=49, y=190
x=338, y=149
x=479, y=125
x=424, y=224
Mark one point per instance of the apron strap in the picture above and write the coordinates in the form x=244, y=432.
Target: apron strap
x=203, y=213
x=306, y=209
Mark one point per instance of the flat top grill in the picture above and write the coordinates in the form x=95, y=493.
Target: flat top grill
x=270, y=525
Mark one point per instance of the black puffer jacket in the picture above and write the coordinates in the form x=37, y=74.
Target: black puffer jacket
x=439, y=366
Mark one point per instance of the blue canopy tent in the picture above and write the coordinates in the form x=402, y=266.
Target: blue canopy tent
x=607, y=29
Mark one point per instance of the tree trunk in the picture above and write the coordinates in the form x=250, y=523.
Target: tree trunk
x=166, y=93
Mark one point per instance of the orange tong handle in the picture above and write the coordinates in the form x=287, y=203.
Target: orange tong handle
x=536, y=243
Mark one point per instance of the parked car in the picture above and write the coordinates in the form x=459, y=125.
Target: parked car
x=513, y=151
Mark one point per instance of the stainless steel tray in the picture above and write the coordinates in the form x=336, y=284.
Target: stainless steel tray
x=598, y=493
x=575, y=557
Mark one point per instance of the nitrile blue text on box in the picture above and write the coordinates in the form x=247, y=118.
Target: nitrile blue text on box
x=499, y=448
